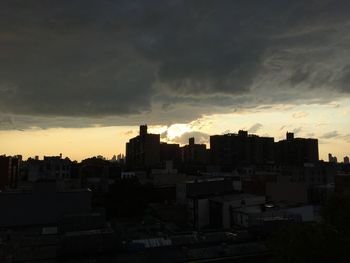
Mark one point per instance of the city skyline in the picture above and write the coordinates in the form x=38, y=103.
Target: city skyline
x=178, y=134
x=77, y=75
x=175, y=131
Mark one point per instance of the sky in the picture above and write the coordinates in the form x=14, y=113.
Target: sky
x=77, y=77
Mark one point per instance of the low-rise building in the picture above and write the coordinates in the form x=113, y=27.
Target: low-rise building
x=284, y=190
x=203, y=187
x=43, y=205
x=214, y=211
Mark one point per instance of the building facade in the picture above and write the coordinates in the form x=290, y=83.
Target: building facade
x=296, y=151
x=9, y=171
x=143, y=151
x=234, y=150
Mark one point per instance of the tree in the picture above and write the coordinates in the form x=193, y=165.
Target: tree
x=336, y=213
x=299, y=243
x=129, y=198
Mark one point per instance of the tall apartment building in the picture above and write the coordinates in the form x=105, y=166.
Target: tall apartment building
x=170, y=152
x=296, y=151
x=194, y=154
x=143, y=151
x=233, y=150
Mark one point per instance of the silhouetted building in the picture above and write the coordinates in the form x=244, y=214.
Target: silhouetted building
x=296, y=151
x=319, y=173
x=35, y=169
x=165, y=181
x=95, y=174
x=167, y=177
x=254, y=182
x=51, y=168
x=342, y=184
x=284, y=190
x=346, y=160
x=194, y=154
x=206, y=187
x=169, y=152
x=234, y=150
x=332, y=159
x=143, y=151
x=221, y=207
x=55, y=167
x=43, y=205
x=9, y=172
x=266, y=221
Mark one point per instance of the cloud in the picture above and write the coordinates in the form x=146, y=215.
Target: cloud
x=200, y=137
x=283, y=127
x=300, y=115
x=128, y=132
x=346, y=137
x=297, y=130
x=330, y=135
x=76, y=63
x=6, y=120
x=164, y=135
x=254, y=128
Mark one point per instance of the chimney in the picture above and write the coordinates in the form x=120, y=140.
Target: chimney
x=191, y=141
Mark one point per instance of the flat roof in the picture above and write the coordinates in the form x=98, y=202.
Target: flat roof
x=234, y=197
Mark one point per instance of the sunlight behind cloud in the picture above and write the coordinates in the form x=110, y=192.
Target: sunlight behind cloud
x=177, y=130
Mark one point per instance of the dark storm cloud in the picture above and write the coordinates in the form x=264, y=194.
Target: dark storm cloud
x=344, y=82
x=78, y=63
x=60, y=60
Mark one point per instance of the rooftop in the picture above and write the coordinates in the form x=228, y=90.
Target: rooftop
x=233, y=197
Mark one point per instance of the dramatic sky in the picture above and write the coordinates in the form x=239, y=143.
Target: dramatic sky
x=79, y=76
